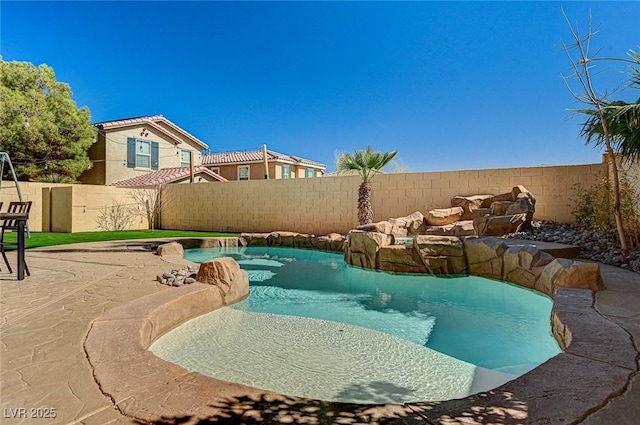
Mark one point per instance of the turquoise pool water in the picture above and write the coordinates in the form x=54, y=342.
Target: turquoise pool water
x=426, y=338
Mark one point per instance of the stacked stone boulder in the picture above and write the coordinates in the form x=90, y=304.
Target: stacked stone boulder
x=488, y=257
x=480, y=215
x=331, y=242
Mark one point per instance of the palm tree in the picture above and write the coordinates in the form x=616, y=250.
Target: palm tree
x=366, y=163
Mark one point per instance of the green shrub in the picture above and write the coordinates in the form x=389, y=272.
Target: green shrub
x=593, y=207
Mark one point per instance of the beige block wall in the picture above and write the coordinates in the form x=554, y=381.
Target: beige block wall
x=37, y=193
x=328, y=204
x=64, y=207
x=77, y=208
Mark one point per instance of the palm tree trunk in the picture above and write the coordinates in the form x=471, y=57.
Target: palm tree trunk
x=365, y=209
x=617, y=210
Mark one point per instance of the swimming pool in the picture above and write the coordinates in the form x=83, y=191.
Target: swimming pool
x=317, y=328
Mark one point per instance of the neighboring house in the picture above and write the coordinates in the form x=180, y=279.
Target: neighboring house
x=134, y=147
x=172, y=175
x=250, y=165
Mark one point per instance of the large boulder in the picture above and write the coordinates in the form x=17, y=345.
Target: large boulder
x=379, y=227
x=331, y=242
x=523, y=264
x=413, y=224
x=225, y=273
x=441, y=254
x=362, y=247
x=500, y=207
x=499, y=225
x=281, y=239
x=303, y=240
x=443, y=216
x=525, y=203
x=255, y=239
x=459, y=228
x=565, y=273
x=470, y=203
x=400, y=258
x=485, y=256
x=170, y=249
x=476, y=213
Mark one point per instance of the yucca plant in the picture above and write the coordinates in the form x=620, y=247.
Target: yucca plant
x=366, y=163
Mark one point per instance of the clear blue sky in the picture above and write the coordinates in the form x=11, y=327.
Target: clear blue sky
x=451, y=85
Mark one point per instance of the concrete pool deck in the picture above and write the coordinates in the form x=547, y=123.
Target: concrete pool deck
x=44, y=370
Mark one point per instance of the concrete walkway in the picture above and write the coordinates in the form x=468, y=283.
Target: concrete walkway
x=46, y=378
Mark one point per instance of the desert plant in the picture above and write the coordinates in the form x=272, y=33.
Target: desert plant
x=116, y=217
x=366, y=163
x=148, y=203
x=593, y=207
x=600, y=128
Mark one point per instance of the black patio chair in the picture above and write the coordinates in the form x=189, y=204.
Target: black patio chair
x=12, y=225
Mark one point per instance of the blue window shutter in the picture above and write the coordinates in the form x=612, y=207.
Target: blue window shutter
x=154, y=155
x=131, y=152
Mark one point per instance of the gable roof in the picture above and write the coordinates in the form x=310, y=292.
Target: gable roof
x=226, y=158
x=158, y=122
x=166, y=175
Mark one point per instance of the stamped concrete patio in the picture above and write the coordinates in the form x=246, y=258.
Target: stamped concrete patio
x=44, y=370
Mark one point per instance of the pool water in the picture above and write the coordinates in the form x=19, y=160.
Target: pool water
x=315, y=327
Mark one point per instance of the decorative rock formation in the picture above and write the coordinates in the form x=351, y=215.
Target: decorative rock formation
x=171, y=248
x=302, y=240
x=400, y=258
x=524, y=264
x=379, y=227
x=563, y=272
x=330, y=242
x=484, y=256
x=281, y=239
x=487, y=257
x=413, y=224
x=459, y=228
x=444, y=216
x=499, y=225
x=225, y=273
x=471, y=203
x=255, y=239
x=362, y=248
x=441, y=254
x=178, y=277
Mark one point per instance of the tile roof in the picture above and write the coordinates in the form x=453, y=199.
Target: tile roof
x=153, y=122
x=166, y=175
x=222, y=158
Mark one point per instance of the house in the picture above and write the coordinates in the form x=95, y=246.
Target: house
x=250, y=165
x=134, y=147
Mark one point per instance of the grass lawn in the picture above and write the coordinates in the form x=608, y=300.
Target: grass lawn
x=50, y=239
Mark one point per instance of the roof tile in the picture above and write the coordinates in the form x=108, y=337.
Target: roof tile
x=166, y=175
x=222, y=158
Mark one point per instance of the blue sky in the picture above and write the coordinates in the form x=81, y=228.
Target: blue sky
x=451, y=85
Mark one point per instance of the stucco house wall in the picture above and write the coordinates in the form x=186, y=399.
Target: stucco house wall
x=110, y=151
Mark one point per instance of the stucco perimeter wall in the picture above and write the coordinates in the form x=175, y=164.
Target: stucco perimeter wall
x=77, y=208
x=37, y=193
x=328, y=204
x=66, y=207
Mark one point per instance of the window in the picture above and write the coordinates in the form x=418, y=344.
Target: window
x=243, y=172
x=309, y=173
x=286, y=171
x=215, y=170
x=142, y=153
x=185, y=158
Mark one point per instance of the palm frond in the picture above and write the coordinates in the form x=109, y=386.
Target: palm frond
x=367, y=163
